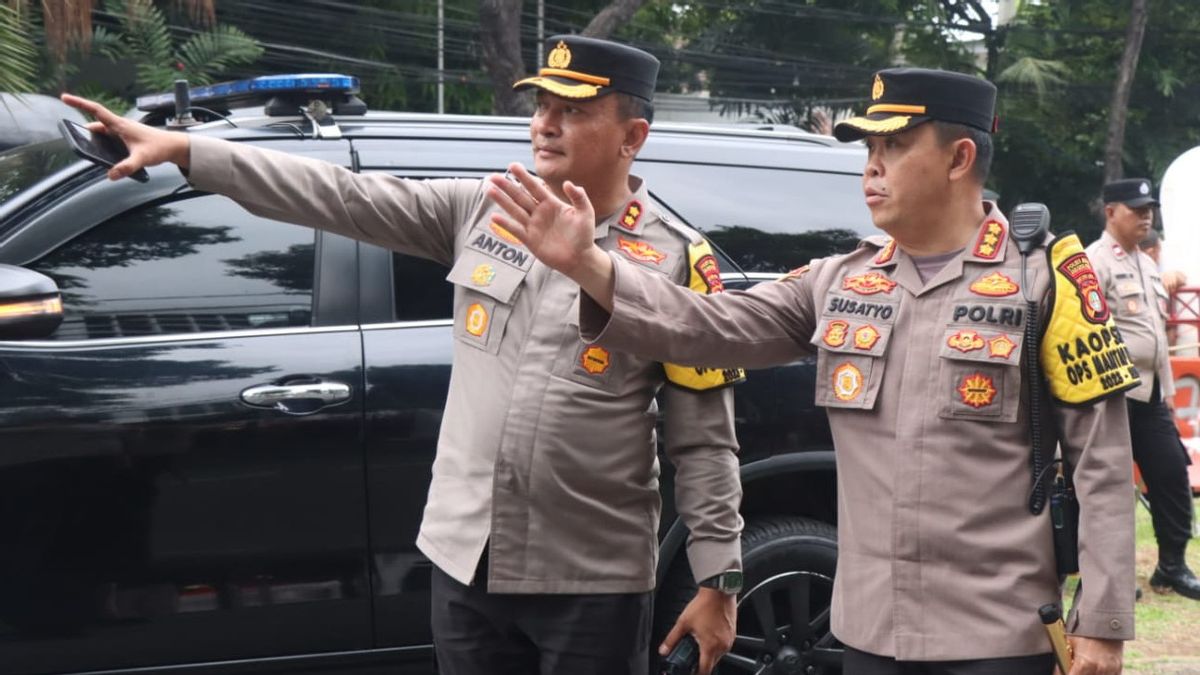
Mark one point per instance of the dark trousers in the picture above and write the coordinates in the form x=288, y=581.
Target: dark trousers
x=862, y=663
x=1163, y=461
x=481, y=633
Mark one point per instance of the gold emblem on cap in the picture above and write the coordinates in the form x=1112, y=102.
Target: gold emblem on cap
x=877, y=90
x=559, y=57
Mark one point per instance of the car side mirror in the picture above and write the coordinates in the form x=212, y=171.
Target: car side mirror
x=30, y=304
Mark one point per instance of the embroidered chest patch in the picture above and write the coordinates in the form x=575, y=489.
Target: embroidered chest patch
x=994, y=285
x=640, y=251
x=977, y=390
x=868, y=284
x=847, y=382
x=595, y=360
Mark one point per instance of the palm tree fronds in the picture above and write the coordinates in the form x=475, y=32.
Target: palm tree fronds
x=211, y=53
x=16, y=52
x=1039, y=74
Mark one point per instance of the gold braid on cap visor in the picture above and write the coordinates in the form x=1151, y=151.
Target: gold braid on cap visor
x=879, y=126
x=589, y=85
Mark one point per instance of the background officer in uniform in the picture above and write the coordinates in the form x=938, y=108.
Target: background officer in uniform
x=1134, y=289
x=919, y=341
x=543, y=511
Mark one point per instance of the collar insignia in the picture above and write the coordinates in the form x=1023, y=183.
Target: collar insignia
x=991, y=238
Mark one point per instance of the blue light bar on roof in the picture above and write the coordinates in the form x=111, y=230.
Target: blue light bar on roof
x=227, y=93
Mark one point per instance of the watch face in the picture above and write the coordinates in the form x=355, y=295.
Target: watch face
x=732, y=581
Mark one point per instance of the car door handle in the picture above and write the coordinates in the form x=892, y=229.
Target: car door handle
x=297, y=397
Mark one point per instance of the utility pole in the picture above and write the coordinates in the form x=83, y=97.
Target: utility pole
x=441, y=81
x=541, y=31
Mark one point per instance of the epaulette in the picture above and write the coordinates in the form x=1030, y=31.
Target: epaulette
x=874, y=241
x=687, y=234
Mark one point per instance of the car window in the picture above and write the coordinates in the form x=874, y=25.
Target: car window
x=422, y=292
x=25, y=165
x=765, y=219
x=184, y=266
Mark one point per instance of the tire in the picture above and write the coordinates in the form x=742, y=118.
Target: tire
x=780, y=555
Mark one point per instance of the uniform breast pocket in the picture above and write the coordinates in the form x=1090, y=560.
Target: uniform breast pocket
x=1161, y=297
x=1129, y=298
x=487, y=290
x=591, y=365
x=850, y=361
x=980, y=374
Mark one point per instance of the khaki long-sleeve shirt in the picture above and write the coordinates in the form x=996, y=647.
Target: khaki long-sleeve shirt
x=1138, y=300
x=547, y=452
x=939, y=557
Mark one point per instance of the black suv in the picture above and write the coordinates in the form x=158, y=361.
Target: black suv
x=217, y=463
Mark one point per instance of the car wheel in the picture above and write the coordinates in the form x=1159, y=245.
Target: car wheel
x=783, y=611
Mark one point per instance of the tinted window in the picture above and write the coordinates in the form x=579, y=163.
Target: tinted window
x=766, y=219
x=422, y=292
x=25, y=165
x=200, y=264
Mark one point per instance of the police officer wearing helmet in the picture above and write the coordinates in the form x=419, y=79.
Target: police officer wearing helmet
x=543, y=511
x=1138, y=297
x=920, y=341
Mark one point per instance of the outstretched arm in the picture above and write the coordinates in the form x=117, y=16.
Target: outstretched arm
x=147, y=146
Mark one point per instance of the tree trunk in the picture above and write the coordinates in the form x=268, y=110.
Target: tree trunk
x=612, y=17
x=1118, y=111
x=500, y=34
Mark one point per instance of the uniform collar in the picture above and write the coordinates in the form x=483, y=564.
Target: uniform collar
x=1110, y=243
x=991, y=239
x=630, y=218
x=988, y=246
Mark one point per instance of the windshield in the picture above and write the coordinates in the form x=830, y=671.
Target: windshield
x=25, y=165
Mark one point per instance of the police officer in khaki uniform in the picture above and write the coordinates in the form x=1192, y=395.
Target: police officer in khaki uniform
x=920, y=340
x=543, y=511
x=1135, y=291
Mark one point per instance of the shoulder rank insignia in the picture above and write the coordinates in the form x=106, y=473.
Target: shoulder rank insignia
x=704, y=277
x=794, y=274
x=991, y=238
x=633, y=213
x=640, y=251
x=868, y=284
x=886, y=254
x=995, y=285
x=1083, y=355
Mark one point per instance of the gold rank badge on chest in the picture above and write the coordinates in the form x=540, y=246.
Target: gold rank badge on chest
x=483, y=275
x=595, y=360
x=977, y=390
x=847, y=382
x=477, y=320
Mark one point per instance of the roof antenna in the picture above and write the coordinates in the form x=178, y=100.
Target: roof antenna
x=183, y=108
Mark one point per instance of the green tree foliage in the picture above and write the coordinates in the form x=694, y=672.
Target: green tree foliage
x=18, y=56
x=143, y=37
